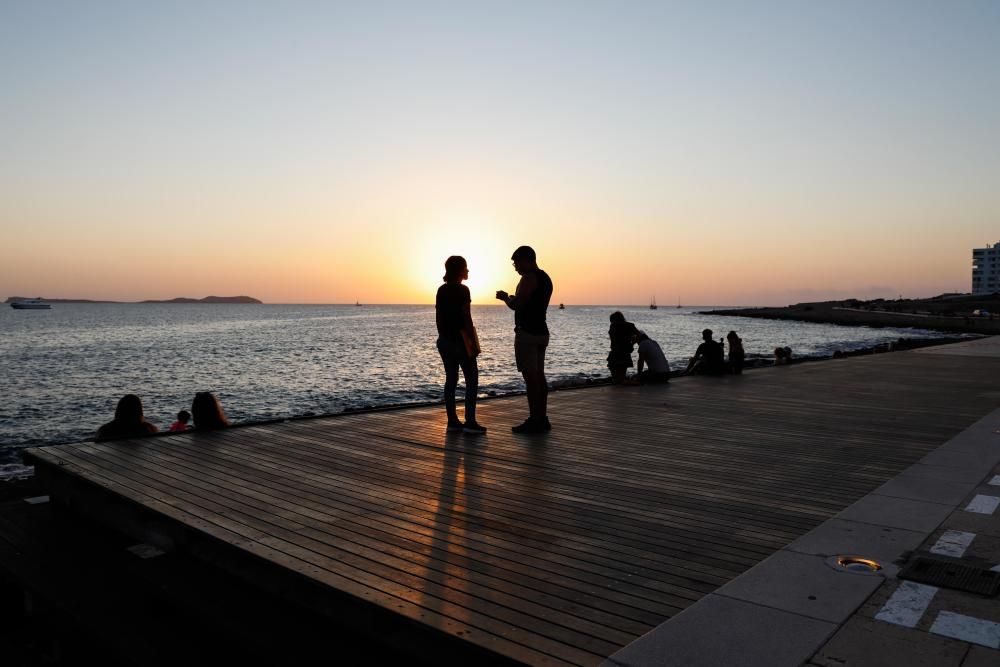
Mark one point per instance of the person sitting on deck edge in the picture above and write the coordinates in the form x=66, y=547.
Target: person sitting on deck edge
x=651, y=355
x=709, y=358
x=129, y=421
x=207, y=412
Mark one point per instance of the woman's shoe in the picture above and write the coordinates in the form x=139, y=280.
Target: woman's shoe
x=474, y=427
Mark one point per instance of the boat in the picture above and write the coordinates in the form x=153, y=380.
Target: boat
x=30, y=304
x=357, y=303
x=652, y=303
x=678, y=302
x=562, y=306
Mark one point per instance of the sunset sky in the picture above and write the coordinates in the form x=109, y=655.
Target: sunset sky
x=322, y=152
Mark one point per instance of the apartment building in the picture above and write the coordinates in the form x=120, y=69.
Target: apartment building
x=986, y=269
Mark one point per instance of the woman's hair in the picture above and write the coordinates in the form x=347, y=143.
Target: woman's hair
x=617, y=317
x=453, y=267
x=731, y=335
x=129, y=410
x=207, y=412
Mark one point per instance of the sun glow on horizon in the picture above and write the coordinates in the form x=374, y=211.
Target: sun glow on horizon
x=474, y=238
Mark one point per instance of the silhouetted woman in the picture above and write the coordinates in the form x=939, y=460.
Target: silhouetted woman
x=458, y=344
x=622, y=336
x=207, y=413
x=128, y=422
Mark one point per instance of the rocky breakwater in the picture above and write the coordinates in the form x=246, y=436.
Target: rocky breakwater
x=958, y=313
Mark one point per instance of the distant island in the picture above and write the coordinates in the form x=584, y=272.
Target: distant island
x=962, y=313
x=180, y=299
x=208, y=299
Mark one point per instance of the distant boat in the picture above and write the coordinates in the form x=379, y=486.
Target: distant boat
x=30, y=304
x=357, y=303
x=678, y=302
x=652, y=303
x=562, y=306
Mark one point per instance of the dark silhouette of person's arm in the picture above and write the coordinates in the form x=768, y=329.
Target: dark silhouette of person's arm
x=525, y=288
x=639, y=364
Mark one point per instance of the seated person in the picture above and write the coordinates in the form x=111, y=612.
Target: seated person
x=709, y=358
x=782, y=356
x=622, y=334
x=128, y=422
x=736, y=354
x=183, y=417
x=207, y=411
x=651, y=354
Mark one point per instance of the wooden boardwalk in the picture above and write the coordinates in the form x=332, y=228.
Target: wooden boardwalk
x=551, y=549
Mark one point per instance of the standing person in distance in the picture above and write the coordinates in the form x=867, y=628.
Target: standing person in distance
x=531, y=335
x=458, y=344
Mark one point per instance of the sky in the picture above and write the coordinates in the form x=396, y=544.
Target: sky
x=710, y=153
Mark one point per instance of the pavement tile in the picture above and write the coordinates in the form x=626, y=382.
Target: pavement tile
x=902, y=513
x=755, y=636
x=983, y=525
x=972, y=461
x=863, y=642
x=873, y=605
x=980, y=656
x=985, y=549
x=803, y=584
x=943, y=473
x=967, y=628
x=967, y=604
x=837, y=536
x=929, y=490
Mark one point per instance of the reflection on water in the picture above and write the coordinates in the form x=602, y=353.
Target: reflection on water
x=64, y=369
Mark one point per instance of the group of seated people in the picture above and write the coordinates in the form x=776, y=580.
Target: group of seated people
x=709, y=358
x=652, y=367
x=129, y=421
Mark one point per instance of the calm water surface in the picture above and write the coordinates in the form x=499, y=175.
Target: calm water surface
x=63, y=370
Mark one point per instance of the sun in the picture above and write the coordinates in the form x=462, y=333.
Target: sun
x=487, y=256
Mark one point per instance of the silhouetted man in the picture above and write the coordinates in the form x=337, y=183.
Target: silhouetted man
x=709, y=358
x=531, y=335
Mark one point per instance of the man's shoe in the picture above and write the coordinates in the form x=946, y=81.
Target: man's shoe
x=474, y=428
x=529, y=426
x=455, y=426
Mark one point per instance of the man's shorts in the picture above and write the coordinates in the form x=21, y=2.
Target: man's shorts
x=529, y=352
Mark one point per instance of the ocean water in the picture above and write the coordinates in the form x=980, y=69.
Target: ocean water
x=63, y=370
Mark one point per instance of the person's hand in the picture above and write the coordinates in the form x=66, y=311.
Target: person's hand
x=503, y=296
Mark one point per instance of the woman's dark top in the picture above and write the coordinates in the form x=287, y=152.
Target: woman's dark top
x=116, y=429
x=450, y=304
x=621, y=334
x=529, y=318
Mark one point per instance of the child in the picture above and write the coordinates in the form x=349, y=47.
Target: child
x=183, y=417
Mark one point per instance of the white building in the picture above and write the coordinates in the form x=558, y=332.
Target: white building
x=986, y=269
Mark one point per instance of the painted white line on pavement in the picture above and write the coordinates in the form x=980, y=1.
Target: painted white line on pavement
x=907, y=604
x=967, y=628
x=995, y=481
x=983, y=504
x=953, y=543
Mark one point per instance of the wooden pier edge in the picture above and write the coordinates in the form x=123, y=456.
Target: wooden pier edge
x=352, y=614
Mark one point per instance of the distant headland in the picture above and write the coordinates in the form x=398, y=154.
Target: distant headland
x=961, y=313
x=180, y=299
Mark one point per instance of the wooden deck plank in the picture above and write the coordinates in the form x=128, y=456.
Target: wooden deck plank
x=563, y=547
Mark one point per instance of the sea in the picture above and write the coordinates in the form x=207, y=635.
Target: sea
x=63, y=370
